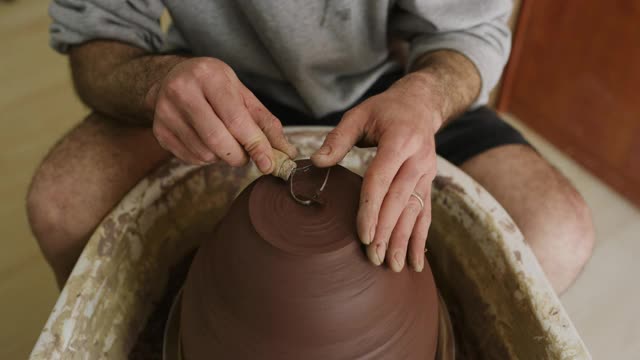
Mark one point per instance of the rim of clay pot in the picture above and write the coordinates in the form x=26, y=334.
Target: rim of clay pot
x=172, y=348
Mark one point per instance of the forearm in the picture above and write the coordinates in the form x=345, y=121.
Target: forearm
x=115, y=78
x=450, y=80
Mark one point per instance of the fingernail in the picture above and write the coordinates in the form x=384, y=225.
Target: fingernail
x=264, y=163
x=324, y=150
x=372, y=233
x=419, y=264
x=381, y=249
x=398, y=261
x=368, y=238
x=411, y=261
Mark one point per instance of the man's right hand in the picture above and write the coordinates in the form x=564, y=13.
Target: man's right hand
x=203, y=113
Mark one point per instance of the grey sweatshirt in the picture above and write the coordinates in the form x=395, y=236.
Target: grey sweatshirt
x=316, y=56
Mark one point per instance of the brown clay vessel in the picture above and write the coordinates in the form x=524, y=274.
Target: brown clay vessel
x=281, y=280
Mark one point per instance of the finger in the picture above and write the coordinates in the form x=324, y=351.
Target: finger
x=203, y=124
x=171, y=143
x=191, y=140
x=231, y=109
x=404, y=228
x=401, y=233
x=418, y=237
x=175, y=120
x=212, y=131
x=269, y=124
x=394, y=203
x=214, y=159
x=377, y=179
x=341, y=139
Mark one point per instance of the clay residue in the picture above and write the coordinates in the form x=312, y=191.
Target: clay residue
x=518, y=256
x=509, y=225
x=124, y=218
x=478, y=287
x=163, y=172
x=148, y=345
x=105, y=245
x=440, y=182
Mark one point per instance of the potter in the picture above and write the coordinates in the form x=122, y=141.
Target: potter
x=410, y=77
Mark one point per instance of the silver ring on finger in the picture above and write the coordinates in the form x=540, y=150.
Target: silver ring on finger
x=419, y=198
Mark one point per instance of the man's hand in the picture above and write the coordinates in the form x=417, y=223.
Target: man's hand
x=203, y=113
x=199, y=109
x=402, y=123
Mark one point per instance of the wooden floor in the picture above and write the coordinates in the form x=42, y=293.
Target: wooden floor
x=37, y=106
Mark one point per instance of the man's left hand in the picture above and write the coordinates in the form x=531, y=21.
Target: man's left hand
x=401, y=122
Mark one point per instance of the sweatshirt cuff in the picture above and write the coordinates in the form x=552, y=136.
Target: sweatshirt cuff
x=85, y=21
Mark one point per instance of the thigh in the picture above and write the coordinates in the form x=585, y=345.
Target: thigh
x=84, y=175
x=521, y=180
x=551, y=214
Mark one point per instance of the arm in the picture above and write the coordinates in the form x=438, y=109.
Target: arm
x=113, y=46
x=449, y=79
x=456, y=57
x=114, y=78
x=197, y=107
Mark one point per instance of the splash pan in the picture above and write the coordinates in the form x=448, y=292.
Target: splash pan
x=500, y=303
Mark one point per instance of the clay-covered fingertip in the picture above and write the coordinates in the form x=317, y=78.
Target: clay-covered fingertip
x=265, y=165
x=418, y=267
x=292, y=151
x=319, y=160
x=364, y=240
x=373, y=255
x=381, y=250
x=397, y=263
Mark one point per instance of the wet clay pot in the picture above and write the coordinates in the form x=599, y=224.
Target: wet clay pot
x=281, y=280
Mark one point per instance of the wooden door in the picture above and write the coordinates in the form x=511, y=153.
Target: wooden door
x=574, y=77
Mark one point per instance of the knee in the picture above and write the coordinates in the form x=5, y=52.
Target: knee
x=562, y=236
x=50, y=212
x=58, y=210
x=44, y=211
x=577, y=230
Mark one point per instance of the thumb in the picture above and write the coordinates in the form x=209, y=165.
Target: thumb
x=340, y=140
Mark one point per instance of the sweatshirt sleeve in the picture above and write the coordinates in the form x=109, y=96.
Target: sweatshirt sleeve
x=477, y=29
x=136, y=22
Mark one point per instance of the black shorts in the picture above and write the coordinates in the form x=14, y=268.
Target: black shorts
x=462, y=138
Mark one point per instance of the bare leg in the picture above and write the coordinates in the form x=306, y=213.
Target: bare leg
x=82, y=178
x=551, y=214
